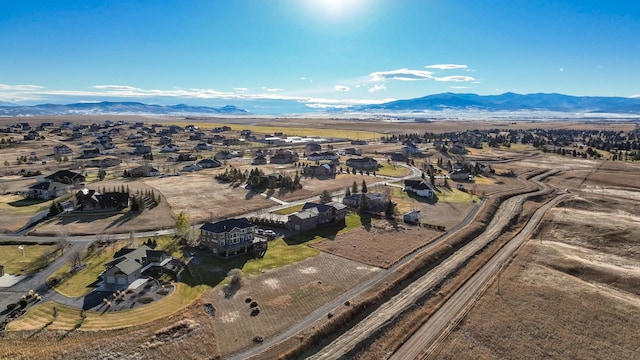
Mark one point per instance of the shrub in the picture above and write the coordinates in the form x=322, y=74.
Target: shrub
x=145, y=300
x=23, y=303
x=253, y=304
x=11, y=306
x=255, y=311
x=162, y=292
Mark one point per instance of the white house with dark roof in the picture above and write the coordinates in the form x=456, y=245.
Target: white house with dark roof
x=227, y=237
x=418, y=187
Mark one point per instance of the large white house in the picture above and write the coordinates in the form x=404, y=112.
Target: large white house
x=418, y=187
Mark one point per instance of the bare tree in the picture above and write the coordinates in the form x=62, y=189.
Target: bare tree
x=63, y=241
x=76, y=259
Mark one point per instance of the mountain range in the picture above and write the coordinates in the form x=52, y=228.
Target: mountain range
x=438, y=102
x=107, y=107
x=513, y=102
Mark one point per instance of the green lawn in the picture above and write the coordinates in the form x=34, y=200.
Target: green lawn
x=33, y=260
x=81, y=283
x=455, y=196
x=393, y=170
x=289, y=210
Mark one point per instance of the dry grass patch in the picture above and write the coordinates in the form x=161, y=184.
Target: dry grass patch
x=382, y=244
x=570, y=293
x=284, y=296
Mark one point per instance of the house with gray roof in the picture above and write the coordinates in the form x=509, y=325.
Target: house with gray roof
x=129, y=264
x=227, y=237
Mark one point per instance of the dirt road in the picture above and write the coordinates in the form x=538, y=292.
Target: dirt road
x=387, y=312
x=423, y=341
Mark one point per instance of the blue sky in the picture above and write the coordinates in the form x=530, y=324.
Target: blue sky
x=319, y=52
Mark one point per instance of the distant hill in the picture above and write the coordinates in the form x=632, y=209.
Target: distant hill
x=437, y=102
x=511, y=102
x=106, y=107
x=4, y=103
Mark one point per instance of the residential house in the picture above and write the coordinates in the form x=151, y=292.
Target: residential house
x=142, y=150
x=62, y=150
x=209, y=163
x=320, y=171
x=203, y=147
x=129, y=265
x=90, y=153
x=313, y=215
x=227, y=237
x=191, y=168
x=327, y=155
x=412, y=216
x=105, y=162
x=259, y=160
x=91, y=200
x=284, y=157
x=358, y=142
x=143, y=171
x=186, y=157
x=418, y=187
x=47, y=190
x=458, y=149
x=374, y=201
x=353, y=151
x=313, y=147
x=461, y=175
x=410, y=150
x=66, y=177
x=365, y=163
x=169, y=148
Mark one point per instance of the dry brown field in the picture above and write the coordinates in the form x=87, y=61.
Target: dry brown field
x=571, y=292
x=285, y=297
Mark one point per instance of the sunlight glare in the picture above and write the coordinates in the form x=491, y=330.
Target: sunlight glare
x=335, y=9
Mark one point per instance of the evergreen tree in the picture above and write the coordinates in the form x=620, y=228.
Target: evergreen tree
x=364, y=203
x=354, y=187
x=347, y=192
x=364, y=187
x=390, y=209
x=325, y=197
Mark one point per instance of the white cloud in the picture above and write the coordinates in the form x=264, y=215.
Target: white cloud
x=303, y=78
x=446, y=66
x=635, y=96
x=5, y=87
x=115, y=87
x=455, y=78
x=401, y=74
x=377, y=87
x=459, y=87
x=241, y=89
x=271, y=89
x=341, y=88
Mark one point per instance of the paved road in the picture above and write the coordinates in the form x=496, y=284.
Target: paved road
x=388, y=311
x=37, y=281
x=424, y=341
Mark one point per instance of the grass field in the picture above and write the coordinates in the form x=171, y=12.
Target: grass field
x=289, y=210
x=19, y=205
x=291, y=131
x=68, y=317
x=80, y=283
x=393, y=170
x=33, y=260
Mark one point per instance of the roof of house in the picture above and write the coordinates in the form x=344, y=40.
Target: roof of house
x=41, y=186
x=323, y=207
x=417, y=184
x=129, y=260
x=306, y=214
x=66, y=173
x=226, y=225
